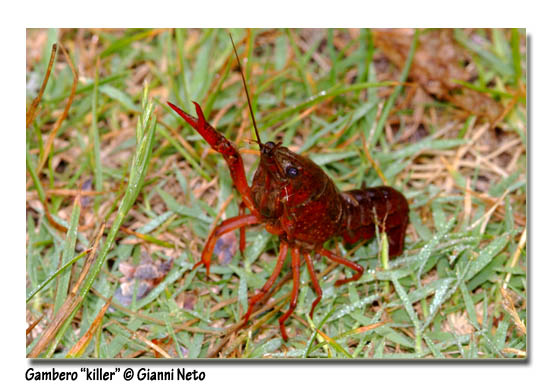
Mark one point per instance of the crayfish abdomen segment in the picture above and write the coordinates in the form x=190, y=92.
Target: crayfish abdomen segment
x=367, y=208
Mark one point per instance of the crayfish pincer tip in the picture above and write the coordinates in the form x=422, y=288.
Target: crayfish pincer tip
x=199, y=112
x=175, y=108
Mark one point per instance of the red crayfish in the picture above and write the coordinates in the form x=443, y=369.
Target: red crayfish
x=293, y=198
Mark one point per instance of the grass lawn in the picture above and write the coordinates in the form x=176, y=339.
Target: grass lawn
x=122, y=194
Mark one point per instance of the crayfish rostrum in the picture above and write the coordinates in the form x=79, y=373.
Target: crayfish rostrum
x=293, y=198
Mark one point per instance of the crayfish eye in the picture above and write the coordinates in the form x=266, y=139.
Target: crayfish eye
x=292, y=171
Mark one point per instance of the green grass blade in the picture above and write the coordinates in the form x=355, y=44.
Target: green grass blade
x=54, y=275
x=68, y=252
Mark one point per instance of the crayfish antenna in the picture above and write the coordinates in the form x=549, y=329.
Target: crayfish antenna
x=247, y=94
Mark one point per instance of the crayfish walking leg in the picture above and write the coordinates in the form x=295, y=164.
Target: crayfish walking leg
x=295, y=262
x=253, y=300
x=336, y=258
x=315, y=284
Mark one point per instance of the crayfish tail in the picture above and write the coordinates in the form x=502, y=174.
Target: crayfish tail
x=384, y=207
